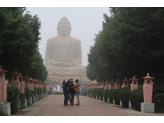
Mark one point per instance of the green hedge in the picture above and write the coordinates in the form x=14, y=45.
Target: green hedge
x=12, y=97
x=22, y=99
x=101, y=93
x=44, y=90
x=35, y=91
x=89, y=91
x=27, y=93
x=116, y=95
x=124, y=96
x=94, y=92
x=136, y=98
x=97, y=91
x=105, y=93
x=158, y=100
x=110, y=95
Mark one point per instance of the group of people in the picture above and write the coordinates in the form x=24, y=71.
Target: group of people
x=70, y=90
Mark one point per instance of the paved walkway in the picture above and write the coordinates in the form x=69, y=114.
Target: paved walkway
x=88, y=107
x=52, y=105
x=33, y=109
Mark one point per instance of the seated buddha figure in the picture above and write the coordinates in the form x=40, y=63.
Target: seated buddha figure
x=63, y=53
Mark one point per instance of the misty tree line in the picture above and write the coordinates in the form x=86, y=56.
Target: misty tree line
x=19, y=39
x=130, y=43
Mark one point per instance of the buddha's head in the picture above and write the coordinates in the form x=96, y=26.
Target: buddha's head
x=64, y=27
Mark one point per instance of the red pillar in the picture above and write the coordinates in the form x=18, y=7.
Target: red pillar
x=22, y=85
x=27, y=82
x=134, y=83
x=125, y=83
x=3, y=86
x=15, y=79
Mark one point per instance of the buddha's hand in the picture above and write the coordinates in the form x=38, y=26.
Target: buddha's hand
x=66, y=64
x=56, y=63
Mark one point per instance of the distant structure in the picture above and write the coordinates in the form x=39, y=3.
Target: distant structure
x=63, y=55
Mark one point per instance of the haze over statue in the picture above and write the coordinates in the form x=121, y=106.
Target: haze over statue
x=63, y=52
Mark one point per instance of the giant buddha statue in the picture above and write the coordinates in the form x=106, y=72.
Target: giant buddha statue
x=63, y=52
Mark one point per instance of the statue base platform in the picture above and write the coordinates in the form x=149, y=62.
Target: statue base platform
x=75, y=70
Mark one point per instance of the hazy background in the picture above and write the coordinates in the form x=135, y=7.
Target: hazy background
x=85, y=22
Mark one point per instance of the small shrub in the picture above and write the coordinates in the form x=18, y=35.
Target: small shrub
x=116, y=96
x=158, y=100
x=105, y=94
x=22, y=99
x=124, y=96
x=110, y=95
x=94, y=92
x=136, y=98
x=44, y=90
x=35, y=91
x=101, y=93
x=97, y=92
x=89, y=91
x=27, y=93
x=12, y=97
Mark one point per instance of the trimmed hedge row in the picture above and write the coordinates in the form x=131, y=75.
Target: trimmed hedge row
x=14, y=95
x=158, y=100
x=124, y=94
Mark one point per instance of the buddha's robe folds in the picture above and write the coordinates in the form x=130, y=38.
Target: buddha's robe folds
x=63, y=56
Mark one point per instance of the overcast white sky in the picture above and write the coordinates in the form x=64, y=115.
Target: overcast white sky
x=85, y=22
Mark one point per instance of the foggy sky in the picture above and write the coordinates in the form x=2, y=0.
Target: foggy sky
x=85, y=22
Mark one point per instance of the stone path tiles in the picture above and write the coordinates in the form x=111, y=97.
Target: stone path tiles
x=88, y=107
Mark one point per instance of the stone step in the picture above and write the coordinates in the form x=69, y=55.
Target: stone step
x=55, y=93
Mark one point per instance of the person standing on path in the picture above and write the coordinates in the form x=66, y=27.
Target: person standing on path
x=77, y=91
x=72, y=93
x=66, y=93
x=85, y=91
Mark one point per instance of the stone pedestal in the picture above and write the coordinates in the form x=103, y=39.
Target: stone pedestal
x=114, y=102
x=147, y=107
x=5, y=108
x=25, y=103
x=120, y=103
x=108, y=99
x=29, y=100
x=130, y=106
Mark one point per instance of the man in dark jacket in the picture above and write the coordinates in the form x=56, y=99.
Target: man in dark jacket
x=66, y=92
x=71, y=92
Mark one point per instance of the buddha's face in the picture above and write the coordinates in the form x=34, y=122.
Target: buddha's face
x=64, y=29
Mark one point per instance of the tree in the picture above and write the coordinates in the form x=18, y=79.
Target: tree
x=131, y=43
x=19, y=40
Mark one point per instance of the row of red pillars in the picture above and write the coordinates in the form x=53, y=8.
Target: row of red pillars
x=147, y=87
x=17, y=81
